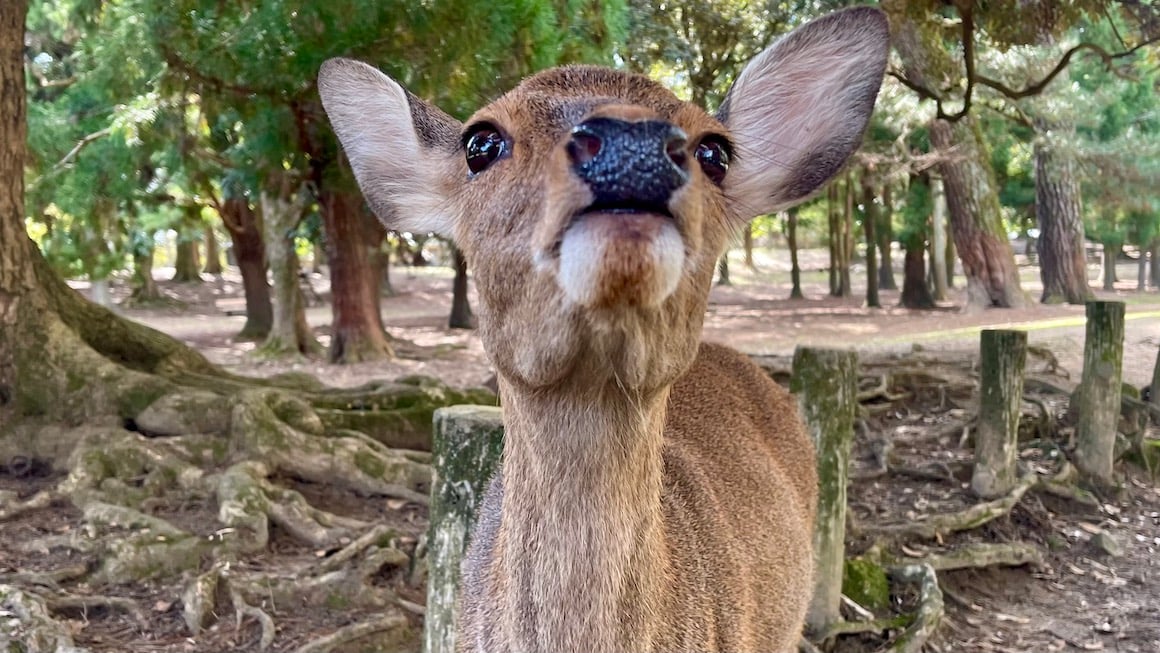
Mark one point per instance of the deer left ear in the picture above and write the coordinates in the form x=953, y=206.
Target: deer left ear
x=799, y=109
x=396, y=143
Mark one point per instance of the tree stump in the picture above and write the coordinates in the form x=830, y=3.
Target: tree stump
x=1097, y=401
x=1003, y=356
x=468, y=443
x=826, y=383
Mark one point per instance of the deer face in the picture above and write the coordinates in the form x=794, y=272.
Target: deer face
x=592, y=204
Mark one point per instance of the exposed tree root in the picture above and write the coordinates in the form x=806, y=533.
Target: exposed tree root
x=29, y=627
x=84, y=603
x=843, y=628
x=930, y=607
x=243, y=609
x=1007, y=554
x=936, y=526
x=11, y=506
x=353, y=633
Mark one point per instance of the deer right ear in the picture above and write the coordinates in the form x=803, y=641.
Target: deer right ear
x=396, y=143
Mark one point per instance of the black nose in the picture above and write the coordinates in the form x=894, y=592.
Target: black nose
x=629, y=165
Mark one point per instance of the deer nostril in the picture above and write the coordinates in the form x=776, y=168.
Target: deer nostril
x=675, y=142
x=584, y=145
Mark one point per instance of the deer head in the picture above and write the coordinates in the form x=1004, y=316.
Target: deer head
x=592, y=204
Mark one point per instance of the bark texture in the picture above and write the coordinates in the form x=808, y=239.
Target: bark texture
x=145, y=288
x=826, y=384
x=795, y=271
x=1062, y=265
x=869, y=224
x=289, y=331
x=245, y=227
x=915, y=291
x=970, y=187
x=885, y=233
x=461, y=316
x=1003, y=355
x=976, y=225
x=357, y=328
x=213, y=252
x=16, y=278
x=1097, y=399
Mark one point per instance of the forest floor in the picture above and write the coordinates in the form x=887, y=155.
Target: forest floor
x=1076, y=595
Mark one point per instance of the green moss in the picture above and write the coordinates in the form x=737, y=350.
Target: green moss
x=1129, y=390
x=866, y=584
x=371, y=465
x=140, y=395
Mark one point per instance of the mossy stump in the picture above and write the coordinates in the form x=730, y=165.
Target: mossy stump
x=468, y=443
x=1003, y=355
x=826, y=384
x=1098, y=397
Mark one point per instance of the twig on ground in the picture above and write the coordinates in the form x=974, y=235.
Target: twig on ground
x=353, y=632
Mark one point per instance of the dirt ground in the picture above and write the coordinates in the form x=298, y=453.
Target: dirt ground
x=1078, y=598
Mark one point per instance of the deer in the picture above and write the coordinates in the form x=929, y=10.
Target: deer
x=655, y=493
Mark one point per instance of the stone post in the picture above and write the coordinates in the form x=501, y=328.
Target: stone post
x=826, y=384
x=1098, y=397
x=1003, y=357
x=468, y=443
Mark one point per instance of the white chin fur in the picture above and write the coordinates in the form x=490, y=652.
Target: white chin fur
x=582, y=254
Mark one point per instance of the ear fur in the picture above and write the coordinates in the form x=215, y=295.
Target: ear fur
x=395, y=141
x=799, y=109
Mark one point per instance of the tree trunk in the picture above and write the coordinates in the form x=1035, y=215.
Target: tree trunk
x=976, y=225
x=949, y=258
x=245, y=227
x=723, y=270
x=938, y=248
x=915, y=291
x=846, y=242
x=187, y=268
x=1060, y=249
x=461, y=317
x=145, y=289
x=1097, y=400
x=1003, y=355
x=826, y=384
x=869, y=222
x=885, y=231
x=289, y=331
x=357, y=327
x=833, y=231
x=1111, y=253
x=213, y=254
x=1155, y=263
x=747, y=242
x=795, y=271
x=1142, y=271
x=969, y=184
x=49, y=335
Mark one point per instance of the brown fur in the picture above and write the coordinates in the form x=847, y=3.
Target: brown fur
x=656, y=494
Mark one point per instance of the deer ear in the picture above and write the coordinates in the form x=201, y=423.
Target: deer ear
x=799, y=109
x=397, y=144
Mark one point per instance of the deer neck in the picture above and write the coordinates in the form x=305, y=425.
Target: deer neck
x=584, y=553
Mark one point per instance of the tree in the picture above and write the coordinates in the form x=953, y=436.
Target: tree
x=921, y=38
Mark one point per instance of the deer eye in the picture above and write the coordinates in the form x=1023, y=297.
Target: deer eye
x=713, y=155
x=483, y=145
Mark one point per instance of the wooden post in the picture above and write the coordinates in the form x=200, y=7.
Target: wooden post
x=468, y=443
x=826, y=384
x=1003, y=356
x=1098, y=396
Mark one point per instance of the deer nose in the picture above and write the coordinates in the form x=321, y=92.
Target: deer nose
x=629, y=165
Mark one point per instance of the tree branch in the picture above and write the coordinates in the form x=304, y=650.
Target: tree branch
x=1037, y=87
